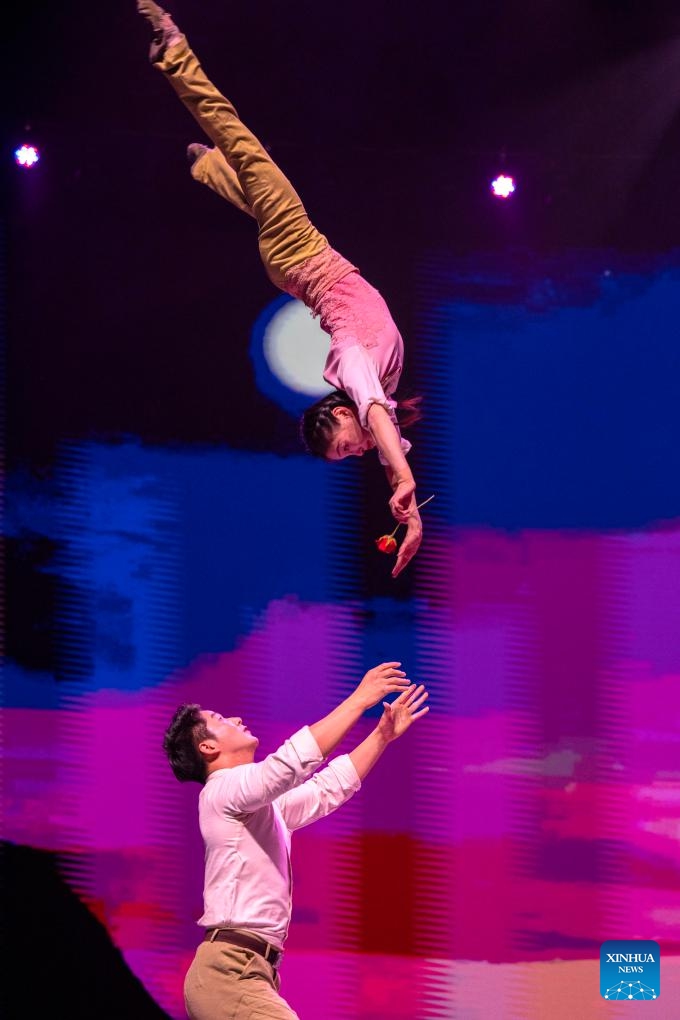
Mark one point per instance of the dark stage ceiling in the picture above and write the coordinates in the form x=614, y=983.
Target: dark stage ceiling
x=389, y=118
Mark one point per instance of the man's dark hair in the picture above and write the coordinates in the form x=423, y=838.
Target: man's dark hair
x=180, y=743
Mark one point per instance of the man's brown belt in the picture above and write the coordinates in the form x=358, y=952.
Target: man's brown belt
x=238, y=938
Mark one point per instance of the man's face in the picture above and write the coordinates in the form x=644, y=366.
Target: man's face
x=349, y=439
x=229, y=733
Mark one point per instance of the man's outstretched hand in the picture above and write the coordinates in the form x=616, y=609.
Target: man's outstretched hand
x=400, y=714
x=387, y=678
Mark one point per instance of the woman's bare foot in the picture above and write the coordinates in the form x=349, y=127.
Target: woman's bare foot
x=165, y=31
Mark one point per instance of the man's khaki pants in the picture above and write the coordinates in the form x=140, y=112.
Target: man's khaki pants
x=226, y=982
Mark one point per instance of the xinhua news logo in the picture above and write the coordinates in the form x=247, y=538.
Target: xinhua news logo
x=630, y=969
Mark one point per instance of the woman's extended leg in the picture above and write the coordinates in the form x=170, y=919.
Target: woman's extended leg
x=208, y=166
x=286, y=236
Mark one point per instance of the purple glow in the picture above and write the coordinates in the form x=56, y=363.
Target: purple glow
x=26, y=155
x=530, y=613
x=502, y=186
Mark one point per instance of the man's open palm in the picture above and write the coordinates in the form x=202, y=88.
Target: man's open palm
x=400, y=714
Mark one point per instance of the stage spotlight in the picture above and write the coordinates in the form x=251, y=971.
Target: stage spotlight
x=503, y=186
x=26, y=156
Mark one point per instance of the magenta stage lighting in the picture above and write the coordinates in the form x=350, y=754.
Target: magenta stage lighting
x=503, y=186
x=26, y=156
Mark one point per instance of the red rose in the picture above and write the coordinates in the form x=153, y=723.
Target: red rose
x=386, y=543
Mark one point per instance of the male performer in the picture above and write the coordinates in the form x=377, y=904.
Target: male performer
x=247, y=811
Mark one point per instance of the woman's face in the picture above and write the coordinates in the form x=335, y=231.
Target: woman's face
x=349, y=439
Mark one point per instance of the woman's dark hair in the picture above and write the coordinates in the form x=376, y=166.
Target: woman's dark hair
x=318, y=422
x=180, y=743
